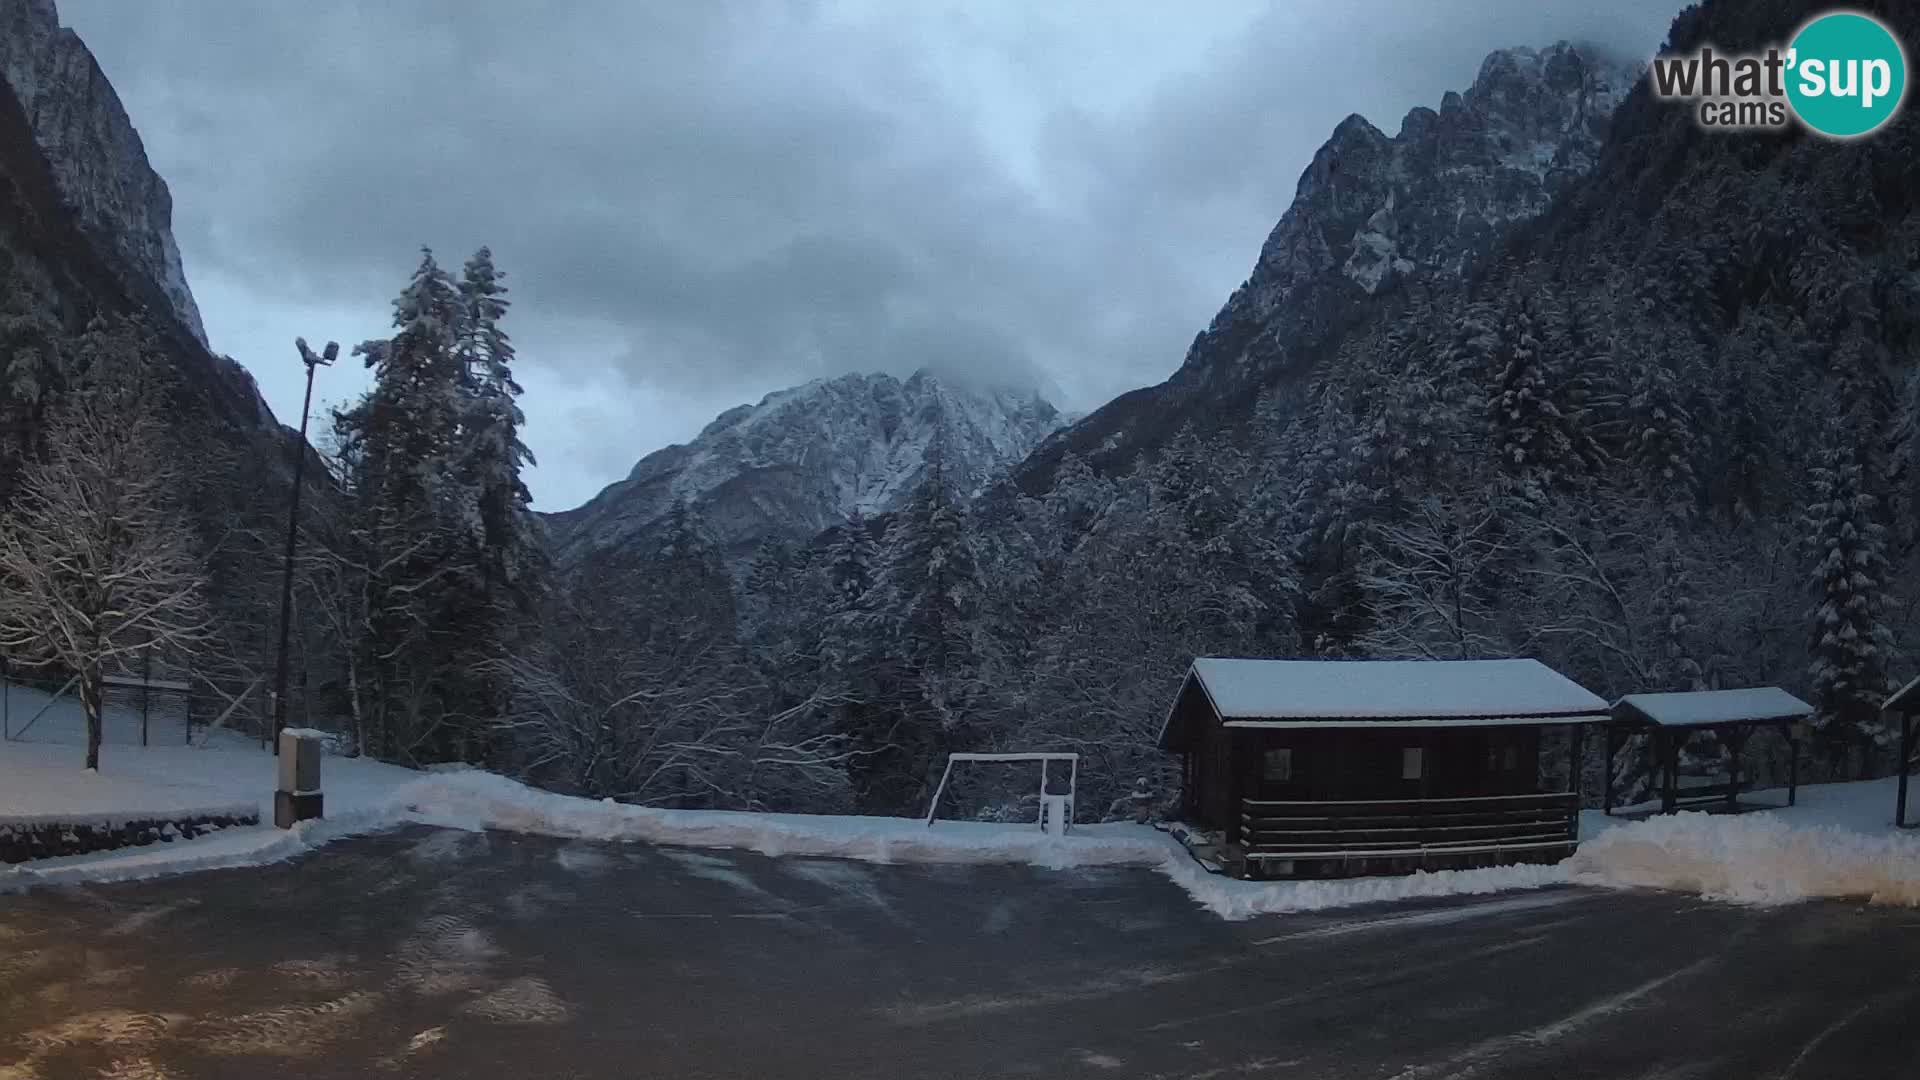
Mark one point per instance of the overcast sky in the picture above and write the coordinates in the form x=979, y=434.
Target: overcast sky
x=697, y=203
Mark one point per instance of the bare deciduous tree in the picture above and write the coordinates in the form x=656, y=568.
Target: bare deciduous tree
x=97, y=564
x=677, y=719
x=1431, y=583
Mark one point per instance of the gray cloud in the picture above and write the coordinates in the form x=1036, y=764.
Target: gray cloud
x=700, y=203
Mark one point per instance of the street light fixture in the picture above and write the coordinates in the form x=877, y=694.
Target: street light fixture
x=307, y=357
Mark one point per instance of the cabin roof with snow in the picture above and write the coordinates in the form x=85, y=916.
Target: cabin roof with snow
x=1707, y=708
x=1379, y=693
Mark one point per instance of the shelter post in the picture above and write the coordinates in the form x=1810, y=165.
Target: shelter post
x=1606, y=771
x=1736, y=738
x=1576, y=742
x=1906, y=755
x=1670, y=766
x=1793, y=767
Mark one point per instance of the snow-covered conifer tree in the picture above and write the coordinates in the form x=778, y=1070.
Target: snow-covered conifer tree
x=1850, y=573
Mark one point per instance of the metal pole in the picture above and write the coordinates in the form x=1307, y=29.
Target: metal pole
x=293, y=537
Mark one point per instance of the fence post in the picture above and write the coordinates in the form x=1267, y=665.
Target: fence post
x=146, y=689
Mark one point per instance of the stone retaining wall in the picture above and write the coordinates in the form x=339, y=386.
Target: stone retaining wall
x=21, y=841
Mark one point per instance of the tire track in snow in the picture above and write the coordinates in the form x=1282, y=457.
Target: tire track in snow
x=1468, y=1062
x=1436, y=917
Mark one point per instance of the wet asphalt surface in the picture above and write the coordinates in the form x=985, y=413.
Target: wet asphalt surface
x=443, y=954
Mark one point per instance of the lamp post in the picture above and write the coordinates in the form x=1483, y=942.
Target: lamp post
x=293, y=534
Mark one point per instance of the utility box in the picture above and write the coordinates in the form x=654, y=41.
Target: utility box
x=297, y=798
x=1056, y=814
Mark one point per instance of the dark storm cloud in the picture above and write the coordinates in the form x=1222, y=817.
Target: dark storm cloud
x=712, y=200
x=748, y=190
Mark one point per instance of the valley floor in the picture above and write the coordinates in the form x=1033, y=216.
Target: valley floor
x=1837, y=843
x=532, y=934
x=429, y=953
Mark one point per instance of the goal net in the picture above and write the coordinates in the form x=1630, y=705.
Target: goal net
x=1035, y=787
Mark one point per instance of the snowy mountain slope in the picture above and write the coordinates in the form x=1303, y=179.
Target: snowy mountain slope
x=804, y=459
x=96, y=156
x=1373, y=213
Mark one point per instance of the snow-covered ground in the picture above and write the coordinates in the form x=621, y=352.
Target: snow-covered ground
x=1838, y=842
x=42, y=780
x=41, y=777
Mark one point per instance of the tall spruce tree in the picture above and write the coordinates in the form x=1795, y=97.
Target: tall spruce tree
x=851, y=563
x=415, y=511
x=1524, y=419
x=924, y=668
x=1849, y=639
x=495, y=454
x=1661, y=445
x=502, y=531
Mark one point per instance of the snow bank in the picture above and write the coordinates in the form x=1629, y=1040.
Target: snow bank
x=477, y=800
x=1837, y=843
x=1233, y=899
x=1753, y=858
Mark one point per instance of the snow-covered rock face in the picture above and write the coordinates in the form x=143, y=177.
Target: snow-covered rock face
x=1433, y=198
x=1372, y=214
x=96, y=155
x=804, y=459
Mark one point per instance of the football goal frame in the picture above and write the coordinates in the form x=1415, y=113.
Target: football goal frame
x=1073, y=779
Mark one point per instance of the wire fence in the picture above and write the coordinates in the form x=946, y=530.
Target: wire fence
x=151, y=703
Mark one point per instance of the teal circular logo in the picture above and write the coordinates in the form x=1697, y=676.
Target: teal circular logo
x=1847, y=74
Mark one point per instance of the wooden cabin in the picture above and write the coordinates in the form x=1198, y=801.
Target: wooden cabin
x=1325, y=768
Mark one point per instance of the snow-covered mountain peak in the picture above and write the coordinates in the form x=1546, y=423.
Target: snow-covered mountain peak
x=805, y=458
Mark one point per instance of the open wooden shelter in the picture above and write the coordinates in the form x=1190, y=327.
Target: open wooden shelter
x=1670, y=719
x=1321, y=768
x=1904, y=703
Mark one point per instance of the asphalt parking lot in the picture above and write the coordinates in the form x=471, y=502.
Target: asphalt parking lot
x=444, y=954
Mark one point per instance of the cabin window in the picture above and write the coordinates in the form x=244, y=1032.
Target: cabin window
x=1412, y=761
x=1280, y=764
x=1503, y=756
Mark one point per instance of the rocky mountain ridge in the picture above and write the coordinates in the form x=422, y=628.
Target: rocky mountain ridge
x=802, y=460
x=1371, y=215
x=97, y=159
